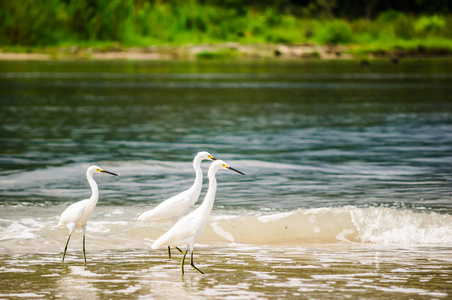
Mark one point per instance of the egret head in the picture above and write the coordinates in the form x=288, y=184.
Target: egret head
x=204, y=155
x=217, y=164
x=95, y=169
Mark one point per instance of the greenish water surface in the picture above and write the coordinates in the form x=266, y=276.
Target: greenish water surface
x=347, y=192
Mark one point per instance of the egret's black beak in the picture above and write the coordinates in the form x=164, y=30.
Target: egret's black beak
x=212, y=158
x=235, y=170
x=103, y=171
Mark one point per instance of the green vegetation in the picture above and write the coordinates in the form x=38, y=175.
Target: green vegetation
x=220, y=54
x=373, y=28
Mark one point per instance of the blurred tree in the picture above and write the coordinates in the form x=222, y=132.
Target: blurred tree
x=327, y=7
x=31, y=22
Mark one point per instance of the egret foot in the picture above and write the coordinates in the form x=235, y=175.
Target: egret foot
x=193, y=265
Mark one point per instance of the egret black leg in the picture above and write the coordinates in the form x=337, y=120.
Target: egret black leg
x=193, y=265
x=84, y=255
x=183, y=261
x=169, y=251
x=65, y=247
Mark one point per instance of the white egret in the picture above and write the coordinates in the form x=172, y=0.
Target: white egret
x=185, y=231
x=78, y=214
x=174, y=207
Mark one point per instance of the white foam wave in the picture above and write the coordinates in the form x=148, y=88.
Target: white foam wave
x=385, y=226
x=274, y=217
x=221, y=232
x=343, y=224
x=114, y=228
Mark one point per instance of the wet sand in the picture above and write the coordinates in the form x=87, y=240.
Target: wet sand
x=242, y=272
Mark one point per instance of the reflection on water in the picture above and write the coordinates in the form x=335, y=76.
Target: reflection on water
x=322, y=272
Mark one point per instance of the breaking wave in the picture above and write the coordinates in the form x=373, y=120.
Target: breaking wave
x=118, y=228
x=330, y=225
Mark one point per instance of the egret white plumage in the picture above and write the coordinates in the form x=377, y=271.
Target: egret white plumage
x=187, y=229
x=174, y=207
x=77, y=215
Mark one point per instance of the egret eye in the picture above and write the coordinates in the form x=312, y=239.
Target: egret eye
x=99, y=170
x=225, y=165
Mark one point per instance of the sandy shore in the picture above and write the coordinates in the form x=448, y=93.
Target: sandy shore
x=225, y=50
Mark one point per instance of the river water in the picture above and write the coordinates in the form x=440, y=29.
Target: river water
x=347, y=192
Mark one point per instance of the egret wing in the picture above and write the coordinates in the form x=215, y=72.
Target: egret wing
x=167, y=210
x=73, y=213
x=188, y=227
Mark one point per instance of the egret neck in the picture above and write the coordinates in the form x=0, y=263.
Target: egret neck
x=95, y=190
x=197, y=185
x=209, y=199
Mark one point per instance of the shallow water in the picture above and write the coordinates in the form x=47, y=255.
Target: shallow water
x=243, y=272
x=347, y=190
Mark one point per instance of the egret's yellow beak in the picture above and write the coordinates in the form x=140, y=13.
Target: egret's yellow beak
x=104, y=171
x=228, y=167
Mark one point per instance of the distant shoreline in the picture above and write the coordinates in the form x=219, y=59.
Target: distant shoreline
x=218, y=51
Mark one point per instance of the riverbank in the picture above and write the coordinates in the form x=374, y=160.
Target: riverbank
x=220, y=51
